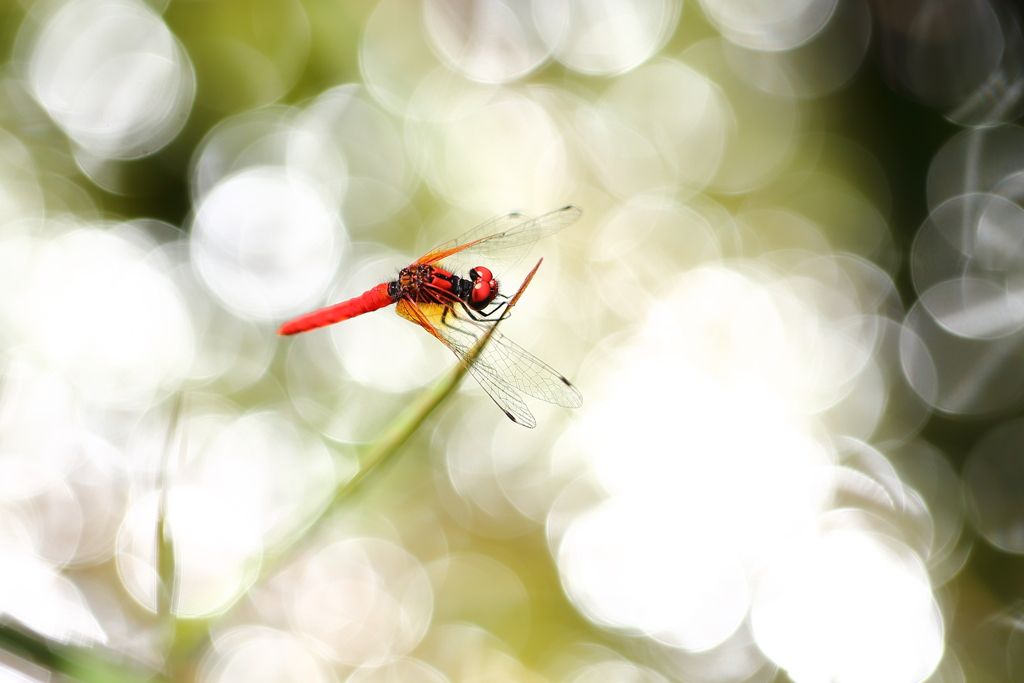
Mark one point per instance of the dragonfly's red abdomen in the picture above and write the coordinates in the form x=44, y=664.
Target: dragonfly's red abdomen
x=370, y=300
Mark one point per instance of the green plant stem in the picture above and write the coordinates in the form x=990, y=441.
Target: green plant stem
x=381, y=451
x=374, y=457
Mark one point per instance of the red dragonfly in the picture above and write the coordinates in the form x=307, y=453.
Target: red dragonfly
x=459, y=311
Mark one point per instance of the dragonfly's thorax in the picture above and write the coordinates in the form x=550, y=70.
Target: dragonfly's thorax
x=429, y=284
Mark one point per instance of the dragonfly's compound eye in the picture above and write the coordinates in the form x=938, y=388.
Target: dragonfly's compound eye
x=485, y=287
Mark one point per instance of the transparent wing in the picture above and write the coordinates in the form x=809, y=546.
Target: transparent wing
x=503, y=368
x=501, y=242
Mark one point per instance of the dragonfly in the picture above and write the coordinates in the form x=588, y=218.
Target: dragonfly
x=459, y=311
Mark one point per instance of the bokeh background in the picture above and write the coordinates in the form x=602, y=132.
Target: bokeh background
x=794, y=306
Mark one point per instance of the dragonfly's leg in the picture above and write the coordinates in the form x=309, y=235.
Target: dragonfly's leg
x=500, y=309
x=496, y=311
x=485, y=316
x=451, y=310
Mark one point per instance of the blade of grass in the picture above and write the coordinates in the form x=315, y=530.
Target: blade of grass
x=166, y=561
x=88, y=664
x=95, y=663
x=377, y=455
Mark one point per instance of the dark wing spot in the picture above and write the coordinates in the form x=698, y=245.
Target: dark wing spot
x=565, y=381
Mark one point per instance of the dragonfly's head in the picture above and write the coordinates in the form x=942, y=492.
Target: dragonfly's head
x=485, y=287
